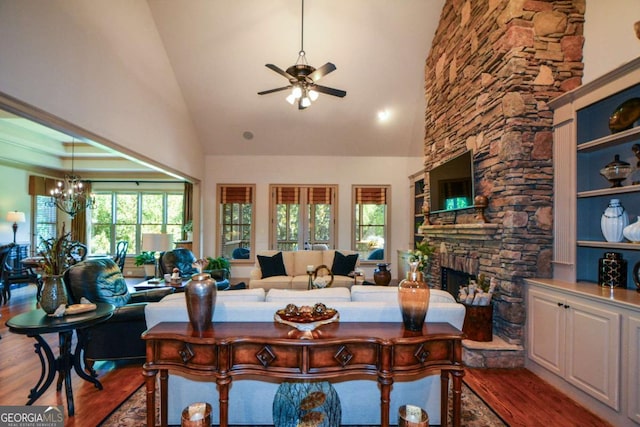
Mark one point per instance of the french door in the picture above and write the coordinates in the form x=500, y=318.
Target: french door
x=302, y=217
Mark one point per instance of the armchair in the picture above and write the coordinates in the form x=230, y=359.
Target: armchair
x=11, y=273
x=100, y=280
x=183, y=259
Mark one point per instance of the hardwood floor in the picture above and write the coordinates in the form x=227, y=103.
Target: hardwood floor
x=20, y=369
x=518, y=396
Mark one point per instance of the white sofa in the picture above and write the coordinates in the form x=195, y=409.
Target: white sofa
x=251, y=400
x=296, y=263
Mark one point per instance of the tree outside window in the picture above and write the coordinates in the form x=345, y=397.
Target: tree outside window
x=235, y=228
x=125, y=215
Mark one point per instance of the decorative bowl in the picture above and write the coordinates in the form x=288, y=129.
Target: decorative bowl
x=616, y=171
x=306, y=318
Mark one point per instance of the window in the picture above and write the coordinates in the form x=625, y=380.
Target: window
x=302, y=217
x=235, y=225
x=125, y=215
x=371, y=219
x=46, y=217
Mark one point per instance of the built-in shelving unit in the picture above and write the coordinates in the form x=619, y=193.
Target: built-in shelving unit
x=583, y=145
x=417, y=214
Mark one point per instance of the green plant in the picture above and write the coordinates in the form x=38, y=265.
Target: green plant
x=421, y=253
x=145, y=257
x=218, y=263
x=188, y=227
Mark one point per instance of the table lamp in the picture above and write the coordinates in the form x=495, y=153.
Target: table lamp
x=156, y=242
x=15, y=217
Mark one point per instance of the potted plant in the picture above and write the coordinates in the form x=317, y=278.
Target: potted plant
x=219, y=268
x=147, y=260
x=188, y=229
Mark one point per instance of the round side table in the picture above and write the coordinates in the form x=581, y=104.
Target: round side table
x=34, y=323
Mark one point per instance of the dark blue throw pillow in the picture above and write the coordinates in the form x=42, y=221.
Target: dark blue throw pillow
x=343, y=264
x=272, y=265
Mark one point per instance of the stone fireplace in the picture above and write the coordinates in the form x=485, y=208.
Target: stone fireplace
x=492, y=68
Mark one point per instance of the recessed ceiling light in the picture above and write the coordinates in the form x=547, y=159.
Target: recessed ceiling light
x=248, y=135
x=383, y=115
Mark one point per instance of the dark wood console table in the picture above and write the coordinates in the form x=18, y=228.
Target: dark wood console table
x=383, y=350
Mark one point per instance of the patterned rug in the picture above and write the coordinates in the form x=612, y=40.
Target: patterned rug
x=475, y=413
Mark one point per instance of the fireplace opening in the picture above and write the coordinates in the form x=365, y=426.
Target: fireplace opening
x=453, y=280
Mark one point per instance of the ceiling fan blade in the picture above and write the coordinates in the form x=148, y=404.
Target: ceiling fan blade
x=265, y=92
x=321, y=72
x=280, y=71
x=329, y=91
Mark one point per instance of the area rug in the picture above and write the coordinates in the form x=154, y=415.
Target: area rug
x=475, y=413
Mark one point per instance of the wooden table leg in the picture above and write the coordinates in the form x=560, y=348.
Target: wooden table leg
x=457, y=397
x=164, y=397
x=223, y=392
x=444, y=397
x=385, y=399
x=150, y=383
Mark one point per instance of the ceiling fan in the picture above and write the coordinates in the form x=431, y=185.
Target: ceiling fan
x=303, y=77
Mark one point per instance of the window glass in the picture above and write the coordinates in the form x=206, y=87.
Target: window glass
x=302, y=217
x=124, y=216
x=370, y=232
x=45, y=219
x=236, y=213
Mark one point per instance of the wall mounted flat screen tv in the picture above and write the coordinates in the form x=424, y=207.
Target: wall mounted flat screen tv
x=451, y=184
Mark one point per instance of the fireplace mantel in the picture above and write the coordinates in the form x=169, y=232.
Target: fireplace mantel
x=459, y=231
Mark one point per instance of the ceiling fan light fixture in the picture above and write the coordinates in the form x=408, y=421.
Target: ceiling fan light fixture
x=302, y=78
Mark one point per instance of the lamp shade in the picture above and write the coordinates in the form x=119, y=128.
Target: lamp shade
x=156, y=242
x=15, y=216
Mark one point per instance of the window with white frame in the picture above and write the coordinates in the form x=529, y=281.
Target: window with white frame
x=125, y=215
x=303, y=217
x=46, y=219
x=235, y=221
x=370, y=235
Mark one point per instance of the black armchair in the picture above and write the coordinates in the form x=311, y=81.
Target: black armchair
x=183, y=259
x=100, y=280
x=180, y=258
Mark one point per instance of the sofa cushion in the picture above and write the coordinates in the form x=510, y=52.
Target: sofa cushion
x=343, y=264
x=390, y=293
x=272, y=265
x=302, y=259
x=310, y=297
x=257, y=294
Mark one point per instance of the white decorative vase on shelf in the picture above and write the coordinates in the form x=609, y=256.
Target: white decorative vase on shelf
x=613, y=221
x=632, y=231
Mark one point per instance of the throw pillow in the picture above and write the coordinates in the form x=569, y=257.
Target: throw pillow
x=272, y=265
x=343, y=264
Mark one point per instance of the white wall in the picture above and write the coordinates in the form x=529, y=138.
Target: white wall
x=610, y=39
x=101, y=65
x=343, y=171
x=14, y=188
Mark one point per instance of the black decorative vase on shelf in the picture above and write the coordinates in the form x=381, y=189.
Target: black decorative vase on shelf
x=612, y=271
x=636, y=275
x=381, y=275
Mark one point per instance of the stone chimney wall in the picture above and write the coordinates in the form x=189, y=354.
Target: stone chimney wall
x=492, y=68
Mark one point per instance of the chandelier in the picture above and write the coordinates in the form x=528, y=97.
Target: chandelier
x=70, y=195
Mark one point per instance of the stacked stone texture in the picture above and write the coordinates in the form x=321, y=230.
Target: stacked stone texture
x=493, y=67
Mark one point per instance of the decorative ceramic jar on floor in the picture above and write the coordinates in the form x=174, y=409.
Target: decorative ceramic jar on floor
x=381, y=275
x=53, y=293
x=413, y=298
x=613, y=221
x=200, y=293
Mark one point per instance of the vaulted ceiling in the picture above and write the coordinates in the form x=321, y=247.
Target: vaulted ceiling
x=218, y=50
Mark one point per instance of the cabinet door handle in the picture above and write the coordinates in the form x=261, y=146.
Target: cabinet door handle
x=560, y=304
x=566, y=306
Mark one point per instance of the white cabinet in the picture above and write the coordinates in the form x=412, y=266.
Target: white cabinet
x=578, y=340
x=633, y=376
